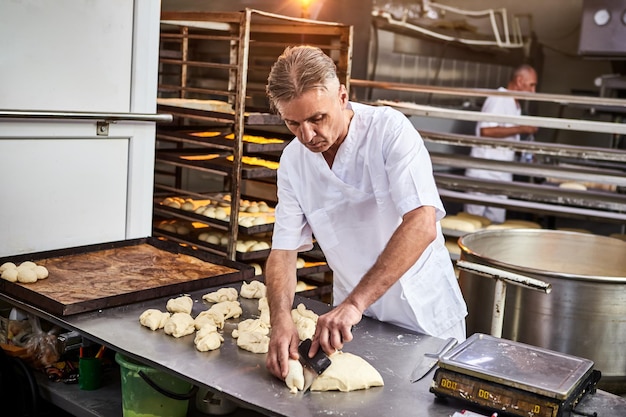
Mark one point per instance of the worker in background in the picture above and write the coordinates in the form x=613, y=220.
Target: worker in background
x=359, y=179
x=524, y=78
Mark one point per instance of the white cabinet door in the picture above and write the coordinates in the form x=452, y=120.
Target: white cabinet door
x=62, y=185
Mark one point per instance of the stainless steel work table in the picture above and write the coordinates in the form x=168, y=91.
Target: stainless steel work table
x=242, y=377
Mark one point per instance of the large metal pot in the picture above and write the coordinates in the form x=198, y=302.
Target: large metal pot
x=584, y=315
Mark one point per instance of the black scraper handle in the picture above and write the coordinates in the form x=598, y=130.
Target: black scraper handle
x=319, y=362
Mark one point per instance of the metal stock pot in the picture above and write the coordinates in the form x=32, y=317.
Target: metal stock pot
x=584, y=315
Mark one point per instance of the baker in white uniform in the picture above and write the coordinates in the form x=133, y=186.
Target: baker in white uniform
x=359, y=179
x=524, y=78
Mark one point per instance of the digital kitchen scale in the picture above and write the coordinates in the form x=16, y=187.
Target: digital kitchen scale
x=514, y=378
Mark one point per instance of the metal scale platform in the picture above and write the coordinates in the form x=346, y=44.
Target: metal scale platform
x=513, y=378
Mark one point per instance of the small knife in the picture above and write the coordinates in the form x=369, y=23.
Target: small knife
x=313, y=367
x=429, y=360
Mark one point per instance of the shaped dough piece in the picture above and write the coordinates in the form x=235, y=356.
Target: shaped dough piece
x=255, y=289
x=26, y=275
x=41, y=271
x=223, y=294
x=10, y=274
x=179, y=324
x=153, y=319
x=228, y=309
x=182, y=304
x=465, y=224
x=347, y=372
x=254, y=342
x=295, y=376
x=305, y=321
x=7, y=265
x=214, y=318
x=253, y=325
x=207, y=338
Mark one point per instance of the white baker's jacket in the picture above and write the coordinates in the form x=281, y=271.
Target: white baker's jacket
x=381, y=171
x=502, y=106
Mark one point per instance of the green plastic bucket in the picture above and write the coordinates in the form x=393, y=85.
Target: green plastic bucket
x=147, y=392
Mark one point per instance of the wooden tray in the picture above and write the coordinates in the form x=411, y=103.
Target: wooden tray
x=99, y=276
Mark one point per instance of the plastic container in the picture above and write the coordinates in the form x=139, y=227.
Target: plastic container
x=147, y=392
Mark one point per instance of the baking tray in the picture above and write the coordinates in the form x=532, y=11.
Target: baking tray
x=194, y=137
x=219, y=163
x=518, y=365
x=94, y=277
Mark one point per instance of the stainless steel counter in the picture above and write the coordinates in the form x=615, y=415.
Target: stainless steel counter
x=242, y=377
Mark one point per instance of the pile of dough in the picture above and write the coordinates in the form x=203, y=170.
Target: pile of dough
x=255, y=289
x=181, y=304
x=305, y=321
x=154, y=319
x=27, y=272
x=227, y=309
x=264, y=309
x=223, y=294
x=207, y=338
x=295, y=376
x=211, y=317
x=347, y=372
x=179, y=324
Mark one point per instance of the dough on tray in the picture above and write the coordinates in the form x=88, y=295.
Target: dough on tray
x=214, y=318
x=347, y=372
x=181, y=304
x=255, y=289
x=305, y=321
x=223, y=294
x=254, y=342
x=154, y=319
x=179, y=325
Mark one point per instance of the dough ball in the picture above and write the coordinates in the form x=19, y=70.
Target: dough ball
x=41, y=271
x=305, y=321
x=213, y=318
x=182, y=304
x=263, y=207
x=300, y=263
x=223, y=294
x=153, y=319
x=301, y=286
x=10, y=274
x=26, y=275
x=255, y=289
x=187, y=206
x=572, y=185
x=259, y=246
x=27, y=265
x=295, y=376
x=253, y=342
x=461, y=224
x=484, y=222
x=253, y=208
x=257, y=269
x=347, y=372
x=213, y=239
x=7, y=265
x=253, y=325
x=207, y=338
x=228, y=309
x=179, y=325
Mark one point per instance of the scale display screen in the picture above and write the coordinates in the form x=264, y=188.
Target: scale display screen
x=509, y=376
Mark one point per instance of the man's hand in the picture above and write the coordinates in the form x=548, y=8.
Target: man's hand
x=335, y=328
x=283, y=346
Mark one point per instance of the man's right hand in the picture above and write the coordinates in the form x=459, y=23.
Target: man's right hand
x=283, y=346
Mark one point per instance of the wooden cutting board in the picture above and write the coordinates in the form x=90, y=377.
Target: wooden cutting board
x=94, y=278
